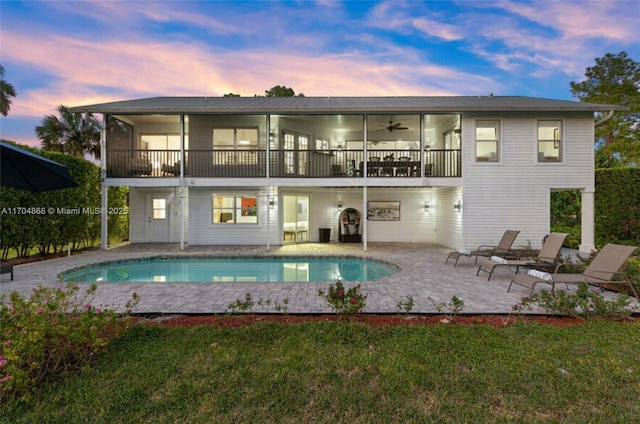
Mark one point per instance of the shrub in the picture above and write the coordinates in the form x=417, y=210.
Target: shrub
x=405, y=305
x=53, y=333
x=451, y=309
x=344, y=301
x=586, y=303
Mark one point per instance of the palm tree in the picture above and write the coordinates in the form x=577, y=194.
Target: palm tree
x=73, y=133
x=7, y=91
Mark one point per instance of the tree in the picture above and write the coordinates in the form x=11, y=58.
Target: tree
x=231, y=95
x=281, y=91
x=615, y=79
x=73, y=133
x=7, y=92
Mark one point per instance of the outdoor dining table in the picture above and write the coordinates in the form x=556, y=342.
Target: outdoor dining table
x=391, y=168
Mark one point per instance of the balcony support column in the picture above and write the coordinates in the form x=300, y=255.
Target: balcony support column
x=182, y=170
x=104, y=230
x=587, y=244
x=104, y=200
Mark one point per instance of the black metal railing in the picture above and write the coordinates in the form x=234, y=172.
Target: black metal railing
x=252, y=163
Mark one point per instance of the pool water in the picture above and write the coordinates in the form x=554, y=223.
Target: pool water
x=208, y=269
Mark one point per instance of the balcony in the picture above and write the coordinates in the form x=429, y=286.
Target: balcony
x=252, y=163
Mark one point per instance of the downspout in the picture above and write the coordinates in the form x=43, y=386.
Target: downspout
x=605, y=119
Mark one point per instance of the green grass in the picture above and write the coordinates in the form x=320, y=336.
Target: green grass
x=332, y=372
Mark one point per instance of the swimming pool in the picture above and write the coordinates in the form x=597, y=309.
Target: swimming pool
x=236, y=269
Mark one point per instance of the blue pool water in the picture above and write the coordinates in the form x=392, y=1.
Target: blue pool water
x=208, y=269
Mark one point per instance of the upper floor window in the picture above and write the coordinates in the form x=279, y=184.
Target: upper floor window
x=235, y=146
x=549, y=141
x=235, y=138
x=487, y=140
x=235, y=209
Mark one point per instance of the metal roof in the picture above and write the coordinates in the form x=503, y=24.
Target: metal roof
x=316, y=105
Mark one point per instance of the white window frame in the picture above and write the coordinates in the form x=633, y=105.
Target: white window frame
x=497, y=141
x=244, y=154
x=232, y=203
x=159, y=205
x=558, y=140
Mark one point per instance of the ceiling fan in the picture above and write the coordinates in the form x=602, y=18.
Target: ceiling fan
x=397, y=126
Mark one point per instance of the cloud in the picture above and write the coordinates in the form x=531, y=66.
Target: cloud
x=438, y=29
x=547, y=38
x=86, y=72
x=584, y=20
x=403, y=17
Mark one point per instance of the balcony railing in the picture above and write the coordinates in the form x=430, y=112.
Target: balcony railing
x=252, y=163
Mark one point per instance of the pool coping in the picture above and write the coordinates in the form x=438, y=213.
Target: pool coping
x=230, y=257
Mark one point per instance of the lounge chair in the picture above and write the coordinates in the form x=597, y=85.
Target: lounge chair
x=547, y=257
x=486, y=251
x=604, y=269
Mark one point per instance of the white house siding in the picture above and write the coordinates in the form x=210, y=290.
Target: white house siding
x=515, y=193
x=447, y=229
x=415, y=224
x=139, y=213
x=202, y=231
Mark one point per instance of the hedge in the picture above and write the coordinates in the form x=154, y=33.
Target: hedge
x=617, y=206
x=40, y=221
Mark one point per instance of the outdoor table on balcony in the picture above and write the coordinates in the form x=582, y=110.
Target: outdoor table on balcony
x=392, y=168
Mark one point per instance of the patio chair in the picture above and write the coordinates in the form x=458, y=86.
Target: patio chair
x=547, y=258
x=502, y=249
x=604, y=269
x=140, y=167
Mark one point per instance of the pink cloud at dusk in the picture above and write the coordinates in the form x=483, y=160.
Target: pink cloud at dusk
x=78, y=53
x=84, y=69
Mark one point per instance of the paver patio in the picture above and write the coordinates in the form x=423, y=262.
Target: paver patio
x=423, y=275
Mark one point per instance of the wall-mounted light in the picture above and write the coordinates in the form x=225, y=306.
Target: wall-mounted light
x=426, y=206
x=339, y=206
x=457, y=206
x=272, y=202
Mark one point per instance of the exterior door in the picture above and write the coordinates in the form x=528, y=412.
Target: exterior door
x=295, y=153
x=158, y=218
x=295, y=218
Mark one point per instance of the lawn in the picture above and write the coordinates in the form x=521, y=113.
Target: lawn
x=336, y=372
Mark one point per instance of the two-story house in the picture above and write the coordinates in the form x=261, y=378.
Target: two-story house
x=457, y=171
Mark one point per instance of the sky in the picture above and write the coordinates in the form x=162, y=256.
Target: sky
x=76, y=53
